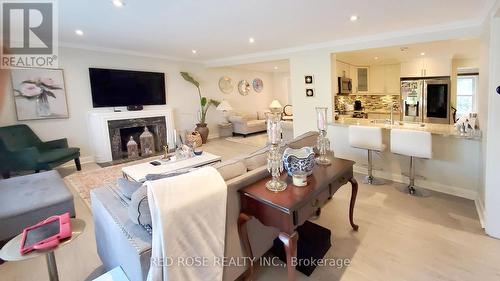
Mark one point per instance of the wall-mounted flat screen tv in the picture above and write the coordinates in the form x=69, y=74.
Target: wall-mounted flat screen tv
x=112, y=87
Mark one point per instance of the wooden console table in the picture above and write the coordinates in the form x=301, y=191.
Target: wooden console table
x=291, y=208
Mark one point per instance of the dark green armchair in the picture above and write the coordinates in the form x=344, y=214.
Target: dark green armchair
x=22, y=150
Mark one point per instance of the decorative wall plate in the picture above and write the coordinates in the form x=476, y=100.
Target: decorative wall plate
x=226, y=85
x=243, y=87
x=258, y=85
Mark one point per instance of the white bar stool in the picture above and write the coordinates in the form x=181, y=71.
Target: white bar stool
x=369, y=138
x=414, y=144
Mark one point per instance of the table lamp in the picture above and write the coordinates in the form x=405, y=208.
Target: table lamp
x=224, y=106
x=275, y=106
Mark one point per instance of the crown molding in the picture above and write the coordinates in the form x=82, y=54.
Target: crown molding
x=455, y=30
x=125, y=52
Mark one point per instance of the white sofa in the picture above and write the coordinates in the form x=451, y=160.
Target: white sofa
x=122, y=242
x=248, y=123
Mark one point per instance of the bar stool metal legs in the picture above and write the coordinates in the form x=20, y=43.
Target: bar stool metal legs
x=370, y=179
x=411, y=189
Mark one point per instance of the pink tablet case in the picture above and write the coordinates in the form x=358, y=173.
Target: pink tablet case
x=49, y=232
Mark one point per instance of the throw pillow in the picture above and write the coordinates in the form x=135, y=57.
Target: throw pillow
x=138, y=210
x=126, y=187
x=231, y=169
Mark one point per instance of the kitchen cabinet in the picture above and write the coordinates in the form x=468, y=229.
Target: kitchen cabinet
x=354, y=77
x=384, y=79
x=392, y=76
x=363, y=79
x=426, y=67
x=377, y=79
x=343, y=69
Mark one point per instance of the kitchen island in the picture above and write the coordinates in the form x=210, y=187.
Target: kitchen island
x=455, y=167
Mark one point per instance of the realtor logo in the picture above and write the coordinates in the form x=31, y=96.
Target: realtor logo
x=29, y=33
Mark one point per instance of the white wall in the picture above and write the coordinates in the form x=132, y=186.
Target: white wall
x=281, y=87
x=492, y=176
x=310, y=63
x=181, y=96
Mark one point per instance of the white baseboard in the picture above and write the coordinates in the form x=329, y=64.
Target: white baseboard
x=480, y=211
x=452, y=190
x=83, y=160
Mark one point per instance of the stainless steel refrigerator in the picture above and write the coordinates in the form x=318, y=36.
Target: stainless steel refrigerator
x=425, y=100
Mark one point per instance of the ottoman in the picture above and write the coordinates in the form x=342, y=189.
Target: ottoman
x=26, y=200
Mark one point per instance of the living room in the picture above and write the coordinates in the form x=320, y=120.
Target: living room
x=113, y=139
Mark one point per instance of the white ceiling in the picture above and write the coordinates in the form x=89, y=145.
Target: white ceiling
x=221, y=28
x=268, y=66
x=455, y=49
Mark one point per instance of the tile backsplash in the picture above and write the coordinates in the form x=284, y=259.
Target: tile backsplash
x=369, y=102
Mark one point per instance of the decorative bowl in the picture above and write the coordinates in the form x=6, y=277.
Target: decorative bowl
x=302, y=159
x=198, y=152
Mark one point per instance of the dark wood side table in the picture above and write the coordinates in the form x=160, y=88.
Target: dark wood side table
x=289, y=209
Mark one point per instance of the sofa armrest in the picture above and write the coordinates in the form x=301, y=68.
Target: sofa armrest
x=237, y=119
x=53, y=144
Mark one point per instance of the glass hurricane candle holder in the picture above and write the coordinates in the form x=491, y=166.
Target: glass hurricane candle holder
x=274, y=159
x=323, y=144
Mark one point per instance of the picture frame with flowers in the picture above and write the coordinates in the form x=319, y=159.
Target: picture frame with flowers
x=39, y=93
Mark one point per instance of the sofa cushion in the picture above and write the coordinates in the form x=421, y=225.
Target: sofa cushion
x=254, y=161
x=237, y=119
x=231, y=169
x=255, y=123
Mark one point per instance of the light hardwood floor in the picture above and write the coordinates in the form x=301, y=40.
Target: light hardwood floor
x=400, y=238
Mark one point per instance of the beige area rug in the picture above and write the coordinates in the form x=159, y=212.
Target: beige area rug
x=83, y=182
x=253, y=140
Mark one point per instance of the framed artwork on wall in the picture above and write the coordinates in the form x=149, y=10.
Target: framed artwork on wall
x=39, y=93
x=309, y=92
x=309, y=79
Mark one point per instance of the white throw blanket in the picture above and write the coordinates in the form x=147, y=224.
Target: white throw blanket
x=188, y=214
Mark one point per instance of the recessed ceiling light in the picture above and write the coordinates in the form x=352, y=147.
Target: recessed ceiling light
x=354, y=18
x=193, y=51
x=79, y=32
x=275, y=68
x=118, y=3
x=375, y=58
x=422, y=54
x=251, y=40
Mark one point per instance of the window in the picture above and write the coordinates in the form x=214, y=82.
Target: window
x=466, y=94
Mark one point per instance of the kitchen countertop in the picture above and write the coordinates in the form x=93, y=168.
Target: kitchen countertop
x=445, y=130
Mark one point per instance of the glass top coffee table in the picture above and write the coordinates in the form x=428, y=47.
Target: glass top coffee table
x=138, y=172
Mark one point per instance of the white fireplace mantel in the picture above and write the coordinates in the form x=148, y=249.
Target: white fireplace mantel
x=99, y=132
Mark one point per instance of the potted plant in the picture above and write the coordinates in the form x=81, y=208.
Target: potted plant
x=205, y=103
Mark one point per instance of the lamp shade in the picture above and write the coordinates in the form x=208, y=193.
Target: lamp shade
x=224, y=106
x=275, y=104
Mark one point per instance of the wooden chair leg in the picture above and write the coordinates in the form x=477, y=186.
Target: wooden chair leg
x=78, y=165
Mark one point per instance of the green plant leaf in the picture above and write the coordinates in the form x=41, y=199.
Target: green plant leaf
x=203, y=101
x=49, y=93
x=214, y=102
x=190, y=79
x=51, y=87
